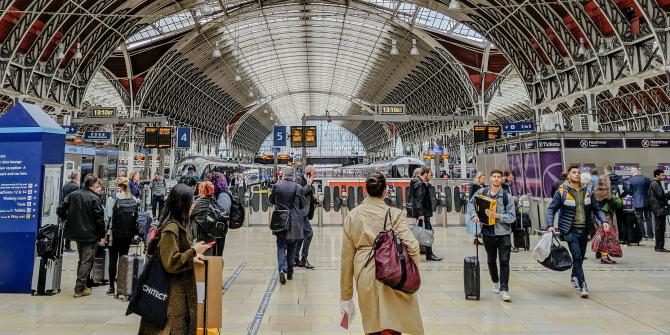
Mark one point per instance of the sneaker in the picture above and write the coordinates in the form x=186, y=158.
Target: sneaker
x=111, y=291
x=282, y=277
x=505, y=296
x=495, y=288
x=575, y=283
x=86, y=292
x=584, y=293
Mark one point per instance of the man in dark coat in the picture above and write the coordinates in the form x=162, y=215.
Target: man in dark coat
x=306, y=181
x=85, y=224
x=288, y=195
x=69, y=187
x=422, y=205
x=616, y=184
x=638, y=187
x=658, y=201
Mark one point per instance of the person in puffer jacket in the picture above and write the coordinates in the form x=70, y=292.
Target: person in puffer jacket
x=576, y=214
x=206, y=214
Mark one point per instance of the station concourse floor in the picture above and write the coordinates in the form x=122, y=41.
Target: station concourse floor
x=631, y=297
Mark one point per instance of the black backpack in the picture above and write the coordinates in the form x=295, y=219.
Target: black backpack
x=214, y=223
x=124, y=218
x=47, y=241
x=236, y=214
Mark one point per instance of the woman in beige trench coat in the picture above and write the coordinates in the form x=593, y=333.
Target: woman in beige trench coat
x=383, y=309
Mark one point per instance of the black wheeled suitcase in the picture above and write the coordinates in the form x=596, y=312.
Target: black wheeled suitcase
x=632, y=227
x=129, y=269
x=521, y=238
x=100, y=271
x=471, y=278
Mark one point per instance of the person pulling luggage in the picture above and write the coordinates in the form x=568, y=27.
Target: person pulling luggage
x=497, y=237
x=422, y=206
x=123, y=211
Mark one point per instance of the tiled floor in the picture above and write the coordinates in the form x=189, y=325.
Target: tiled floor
x=631, y=297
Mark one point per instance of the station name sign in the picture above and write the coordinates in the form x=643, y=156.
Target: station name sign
x=647, y=143
x=391, y=109
x=103, y=112
x=593, y=143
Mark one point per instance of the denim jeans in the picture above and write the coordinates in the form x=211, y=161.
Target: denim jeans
x=285, y=253
x=157, y=202
x=577, y=240
x=86, y=252
x=304, y=243
x=498, y=248
x=644, y=220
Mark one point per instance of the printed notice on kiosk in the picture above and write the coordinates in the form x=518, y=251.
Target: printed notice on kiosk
x=18, y=191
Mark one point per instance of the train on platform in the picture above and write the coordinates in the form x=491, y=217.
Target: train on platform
x=401, y=167
x=253, y=173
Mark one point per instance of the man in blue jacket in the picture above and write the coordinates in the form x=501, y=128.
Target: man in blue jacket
x=575, y=210
x=497, y=239
x=638, y=187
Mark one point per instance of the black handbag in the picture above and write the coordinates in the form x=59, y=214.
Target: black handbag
x=151, y=295
x=559, y=257
x=281, y=218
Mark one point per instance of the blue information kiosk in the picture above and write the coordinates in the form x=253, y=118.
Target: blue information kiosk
x=32, y=146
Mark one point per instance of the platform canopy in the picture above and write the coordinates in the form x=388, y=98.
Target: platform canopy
x=237, y=68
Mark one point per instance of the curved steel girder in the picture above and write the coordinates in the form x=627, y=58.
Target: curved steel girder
x=495, y=85
x=655, y=15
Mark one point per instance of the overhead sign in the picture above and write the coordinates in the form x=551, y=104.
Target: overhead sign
x=158, y=137
x=518, y=127
x=647, y=143
x=276, y=150
x=310, y=136
x=428, y=156
x=164, y=137
x=486, y=133
x=547, y=144
x=303, y=137
x=438, y=150
x=70, y=130
x=279, y=136
x=391, y=109
x=97, y=136
x=103, y=112
x=296, y=136
x=151, y=137
x=183, y=137
x=593, y=143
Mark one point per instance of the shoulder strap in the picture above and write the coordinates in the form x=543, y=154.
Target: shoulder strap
x=387, y=217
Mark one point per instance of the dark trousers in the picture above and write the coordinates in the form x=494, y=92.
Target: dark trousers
x=157, y=202
x=660, y=232
x=86, y=252
x=285, y=253
x=644, y=220
x=217, y=249
x=621, y=226
x=305, y=243
x=498, y=248
x=119, y=247
x=577, y=240
x=426, y=225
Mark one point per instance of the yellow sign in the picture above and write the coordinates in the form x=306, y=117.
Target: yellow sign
x=392, y=109
x=445, y=156
x=283, y=156
x=428, y=156
x=103, y=112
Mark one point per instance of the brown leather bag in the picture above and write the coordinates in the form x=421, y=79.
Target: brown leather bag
x=393, y=265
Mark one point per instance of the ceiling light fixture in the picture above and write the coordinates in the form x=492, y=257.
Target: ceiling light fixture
x=415, y=50
x=206, y=8
x=394, y=47
x=582, y=50
x=237, y=75
x=454, y=5
x=251, y=92
x=77, y=53
x=60, y=53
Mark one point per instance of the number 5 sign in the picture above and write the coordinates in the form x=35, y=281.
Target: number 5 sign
x=183, y=138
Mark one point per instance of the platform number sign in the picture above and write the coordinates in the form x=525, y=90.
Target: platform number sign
x=279, y=136
x=183, y=137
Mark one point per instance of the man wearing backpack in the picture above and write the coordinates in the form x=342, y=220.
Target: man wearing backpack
x=497, y=237
x=306, y=181
x=573, y=204
x=123, y=225
x=158, y=187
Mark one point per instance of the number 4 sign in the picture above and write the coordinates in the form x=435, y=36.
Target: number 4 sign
x=183, y=138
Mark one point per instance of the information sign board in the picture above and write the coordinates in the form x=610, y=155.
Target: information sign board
x=279, y=136
x=183, y=137
x=518, y=127
x=296, y=136
x=97, y=136
x=151, y=137
x=165, y=137
x=103, y=112
x=391, y=109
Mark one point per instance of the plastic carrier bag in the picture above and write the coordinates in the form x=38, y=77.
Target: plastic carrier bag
x=543, y=248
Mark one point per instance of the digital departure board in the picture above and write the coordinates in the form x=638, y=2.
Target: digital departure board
x=164, y=137
x=296, y=136
x=486, y=133
x=103, y=112
x=310, y=136
x=151, y=137
x=391, y=109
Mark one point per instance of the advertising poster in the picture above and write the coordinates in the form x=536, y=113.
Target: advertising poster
x=531, y=178
x=550, y=165
x=515, y=164
x=51, y=194
x=623, y=169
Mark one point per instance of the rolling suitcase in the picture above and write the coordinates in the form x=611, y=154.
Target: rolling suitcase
x=46, y=276
x=632, y=227
x=100, y=271
x=521, y=238
x=471, y=278
x=129, y=269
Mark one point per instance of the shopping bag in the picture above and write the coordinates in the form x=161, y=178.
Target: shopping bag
x=597, y=240
x=543, y=248
x=422, y=235
x=611, y=244
x=559, y=258
x=151, y=295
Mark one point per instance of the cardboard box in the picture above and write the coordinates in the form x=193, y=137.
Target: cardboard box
x=212, y=284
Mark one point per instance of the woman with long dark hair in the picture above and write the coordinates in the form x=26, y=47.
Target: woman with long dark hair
x=178, y=256
x=383, y=309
